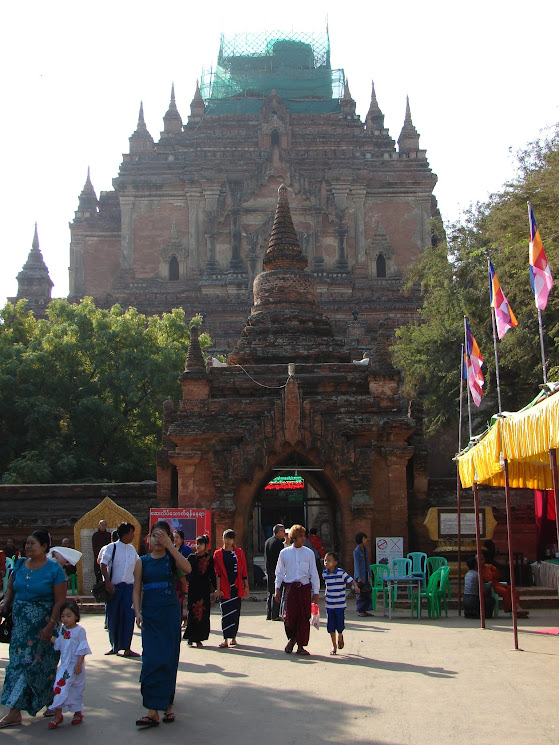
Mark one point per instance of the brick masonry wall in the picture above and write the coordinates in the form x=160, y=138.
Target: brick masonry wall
x=57, y=507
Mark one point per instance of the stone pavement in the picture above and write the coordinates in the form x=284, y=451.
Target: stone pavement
x=400, y=683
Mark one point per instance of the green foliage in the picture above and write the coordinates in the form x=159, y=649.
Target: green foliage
x=81, y=391
x=454, y=282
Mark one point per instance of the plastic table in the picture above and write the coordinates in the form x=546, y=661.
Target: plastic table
x=407, y=581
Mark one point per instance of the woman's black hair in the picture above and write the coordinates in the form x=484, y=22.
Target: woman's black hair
x=42, y=536
x=72, y=606
x=164, y=525
x=203, y=539
x=124, y=528
x=359, y=537
x=180, y=533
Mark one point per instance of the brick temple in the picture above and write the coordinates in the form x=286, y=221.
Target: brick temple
x=290, y=399
x=188, y=220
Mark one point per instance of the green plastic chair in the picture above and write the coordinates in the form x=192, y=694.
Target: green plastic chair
x=9, y=568
x=418, y=564
x=441, y=592
x=378, y=572
x=400, y=568
x=433, y=563
x=428, y=594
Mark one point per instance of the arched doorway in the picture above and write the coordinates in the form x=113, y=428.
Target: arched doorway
x=293, y=491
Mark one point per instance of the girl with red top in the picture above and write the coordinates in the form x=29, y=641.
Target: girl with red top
x=232, y=585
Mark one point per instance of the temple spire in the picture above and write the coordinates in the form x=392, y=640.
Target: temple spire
x=197, y=107
x=283, y=248
x=141, y=141
x=374, y=120
x=194, y=357
x=172, y=121
x=34, y=282
x=87, y=203
x=347, y=103
x=408, y=141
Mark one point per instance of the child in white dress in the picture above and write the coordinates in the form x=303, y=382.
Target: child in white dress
x=70, y=676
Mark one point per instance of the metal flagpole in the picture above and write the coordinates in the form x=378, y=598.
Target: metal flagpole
x=459, y=485
x=511, y=564
x=544, y=367
x=476, y=500
x=553, y=458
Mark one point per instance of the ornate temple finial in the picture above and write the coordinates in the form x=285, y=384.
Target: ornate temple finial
x=34, y=282
x=141, y=141
x=283, y=248
x=408, y=141
x=374, y=120
x=347, y=93
x=347, y=104
x=87, y=203
x=197, y=106
x=194, y=358
x=172, y=121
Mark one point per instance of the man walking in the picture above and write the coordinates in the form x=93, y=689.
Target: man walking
x=272, y=549
x=117, y=568
x=296, y=569
x=100, y=538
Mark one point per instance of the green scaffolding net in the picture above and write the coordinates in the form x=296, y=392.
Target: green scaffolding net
x=250, y=66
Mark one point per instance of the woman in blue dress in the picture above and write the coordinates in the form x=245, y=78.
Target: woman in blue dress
x=158, y=615
x=36, y=592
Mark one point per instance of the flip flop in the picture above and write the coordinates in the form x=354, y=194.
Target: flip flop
x=333, y=652
x=146, y=722
x=289, y=646
x=5, y=725
x=131, y=654
x=168, y=718
x=111, y=651
x=341, y=643
x=303, y=652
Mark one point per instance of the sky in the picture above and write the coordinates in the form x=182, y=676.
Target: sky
x=481, y=77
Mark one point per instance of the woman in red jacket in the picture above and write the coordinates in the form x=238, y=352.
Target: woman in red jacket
x=232, y=584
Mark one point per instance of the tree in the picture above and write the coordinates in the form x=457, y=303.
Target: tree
x=453, y=280
x=81, y=391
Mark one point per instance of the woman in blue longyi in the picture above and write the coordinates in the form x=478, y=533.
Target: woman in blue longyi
x=158, y=615
x=36, y=591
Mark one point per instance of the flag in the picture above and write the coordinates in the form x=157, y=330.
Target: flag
x=475, y=387
x=504, y=316
x=540, y=273
x=474, y=355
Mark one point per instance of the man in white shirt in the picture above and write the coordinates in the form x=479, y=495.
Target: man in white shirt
x=117, y=568
x=296, y=570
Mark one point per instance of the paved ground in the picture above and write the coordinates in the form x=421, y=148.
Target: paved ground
x=399, y=683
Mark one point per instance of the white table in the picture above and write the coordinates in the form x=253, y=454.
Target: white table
x=407, y=581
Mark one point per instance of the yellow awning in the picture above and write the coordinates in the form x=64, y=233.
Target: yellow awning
x=524, y=439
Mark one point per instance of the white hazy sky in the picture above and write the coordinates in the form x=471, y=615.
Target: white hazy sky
x=481, y=76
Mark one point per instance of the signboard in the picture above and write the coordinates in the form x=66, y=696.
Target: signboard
x=388, y=549
x=191, y=521
x=285, y=482
x=448, y=523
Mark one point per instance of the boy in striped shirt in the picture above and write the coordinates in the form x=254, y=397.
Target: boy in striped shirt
x=336, y=581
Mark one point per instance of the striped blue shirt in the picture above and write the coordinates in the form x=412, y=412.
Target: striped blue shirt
x=335, y=587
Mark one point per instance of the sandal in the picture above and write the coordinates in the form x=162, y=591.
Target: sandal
x=5, y=725
x=289, y=646
x=199, y=644
x=56, y=722
x=168, y=717
x=147, y=722
x=333, y=652
x=303, y=652
x=78, y=718
x=224, y=644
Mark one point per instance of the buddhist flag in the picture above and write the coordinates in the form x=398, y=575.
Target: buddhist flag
x=504, y=316
x=540, y=273
x=474, y=361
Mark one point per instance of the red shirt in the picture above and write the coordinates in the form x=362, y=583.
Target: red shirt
x=221, y=572
x=316, y=543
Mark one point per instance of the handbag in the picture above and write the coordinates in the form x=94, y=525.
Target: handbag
x=6, y=625
x=99, y=589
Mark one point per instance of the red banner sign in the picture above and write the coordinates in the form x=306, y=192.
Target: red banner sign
x=191, y=521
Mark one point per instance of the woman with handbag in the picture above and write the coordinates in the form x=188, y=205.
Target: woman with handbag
x=35, y=594
x=362, y=574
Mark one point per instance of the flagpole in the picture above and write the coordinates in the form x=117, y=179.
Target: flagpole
x=459, y=485
x=544, y=367
x=511, y=564
x=494, y=324
x=476, y=502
